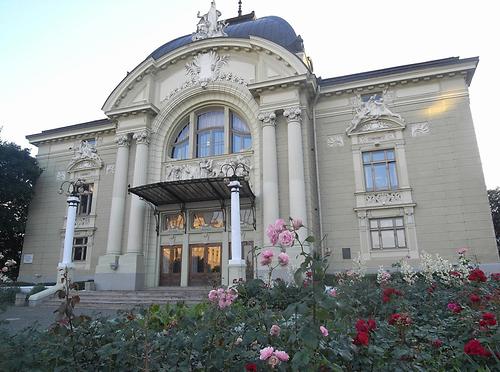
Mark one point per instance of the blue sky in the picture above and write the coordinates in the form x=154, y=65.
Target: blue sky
x=59, y=60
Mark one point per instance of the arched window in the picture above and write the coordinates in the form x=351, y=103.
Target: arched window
x=210, y=133
x=241, y=139
x=207, y=131
x=181, y=144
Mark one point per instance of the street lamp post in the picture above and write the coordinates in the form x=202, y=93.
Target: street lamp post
x=237, y=264
x=73, y=191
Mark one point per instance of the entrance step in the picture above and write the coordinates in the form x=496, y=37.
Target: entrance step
x=129, y=299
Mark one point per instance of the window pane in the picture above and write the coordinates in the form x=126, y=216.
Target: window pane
x=378, y=155
x=181, y=151
x=388, y=239
x=237, y=143
x=366, y=157
x=386, y=222
x=373, y=224
x=375, y=240
x=212, y=219
x=197, y=260
x=238, y=124
x=401, y=238
x=247, y=142
x=217, y=220
x=381, y=181
x=218, y=138
x=213, y=259
x=173, y=221
x=399, y=222
x=204, y=144
x=212, y=119
x=394, y=177
x=368, y=178
x=390, y=154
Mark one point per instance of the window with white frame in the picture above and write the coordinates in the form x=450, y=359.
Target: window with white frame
x=379, y=169
x=210, y=129
x=387, y=233
x=80, y=248
x=85, y=206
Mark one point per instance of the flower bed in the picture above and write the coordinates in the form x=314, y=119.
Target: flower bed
x=445, y=317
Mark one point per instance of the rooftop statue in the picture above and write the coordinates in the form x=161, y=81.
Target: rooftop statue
x=208, y=25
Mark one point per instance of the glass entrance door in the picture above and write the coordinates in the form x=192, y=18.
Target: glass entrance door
x=205, y=264
x=170, y=266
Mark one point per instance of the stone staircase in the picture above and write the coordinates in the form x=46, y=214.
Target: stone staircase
x=131, y=299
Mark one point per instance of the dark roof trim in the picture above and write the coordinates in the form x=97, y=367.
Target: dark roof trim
x=397, y=70
x=190, y=191
x=87, y=125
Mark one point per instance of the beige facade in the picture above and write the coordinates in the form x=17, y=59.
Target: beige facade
x=383, y=164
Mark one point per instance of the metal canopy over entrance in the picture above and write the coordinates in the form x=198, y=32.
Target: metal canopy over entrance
x=187, y=191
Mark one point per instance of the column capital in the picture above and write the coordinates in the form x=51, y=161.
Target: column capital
x=267, y=118
x=122, y=140
x=142, y=137
x=293, y=114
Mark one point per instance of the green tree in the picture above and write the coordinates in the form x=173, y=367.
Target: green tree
x=494, y=197
x=18, y=174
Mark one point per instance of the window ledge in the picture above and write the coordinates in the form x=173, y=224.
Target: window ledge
x=377, y=199
x=391, y=253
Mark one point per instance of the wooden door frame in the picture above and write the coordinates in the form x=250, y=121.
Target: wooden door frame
x=205, y=246
x=169, y=246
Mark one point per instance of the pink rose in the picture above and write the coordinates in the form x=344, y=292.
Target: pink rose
x=275, y=330
x=266, y=353
x=332, y=292
x=283, y=259
x=266, y=257
x=272, y=234
x=286, y=238
x=282, y=355
x=212, y=295
x=324, y=331
x=462, y=250
x=297, y=223
x=279, y=225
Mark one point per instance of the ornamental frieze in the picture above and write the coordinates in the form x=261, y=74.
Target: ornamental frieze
x=86, y=157
x=383, y=198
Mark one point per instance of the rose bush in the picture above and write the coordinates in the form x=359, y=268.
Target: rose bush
x=406, y=321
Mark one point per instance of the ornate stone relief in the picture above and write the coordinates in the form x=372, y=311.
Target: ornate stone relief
x=86, y=157
x=376, y=137
x=267, y=118
x=123, y=140
x=420, y=129
x=383, y=198
x=293, y=114
x=335, y=141
x=209, y=25
x=373, y=115
x=203, y=168
x=206, y=68
x=110, y=169
x=61, y=175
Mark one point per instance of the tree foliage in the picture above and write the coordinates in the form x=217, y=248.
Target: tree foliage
x=18, y=174
x=494, y=197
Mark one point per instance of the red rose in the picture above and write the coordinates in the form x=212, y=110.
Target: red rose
x=362, y=338
x=477, y=275
x=388, y=292
x=474, y=347
x=474, y=298
x=361, y=326
x=400, y=320
x=437, y=343
x=488, y=319
x=495, y=276
x=251, y=367
x=372, y=325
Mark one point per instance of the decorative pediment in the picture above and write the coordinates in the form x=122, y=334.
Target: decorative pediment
x=209, y=25
x=86, y=157
x=373, y=115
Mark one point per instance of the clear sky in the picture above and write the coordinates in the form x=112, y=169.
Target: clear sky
x=59, y=60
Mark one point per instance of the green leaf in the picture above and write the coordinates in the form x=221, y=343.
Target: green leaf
x=310, y=239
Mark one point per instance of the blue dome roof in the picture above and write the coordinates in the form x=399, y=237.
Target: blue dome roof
x=272, y=28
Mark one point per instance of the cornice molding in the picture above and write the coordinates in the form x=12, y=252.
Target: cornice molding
x=147, y=108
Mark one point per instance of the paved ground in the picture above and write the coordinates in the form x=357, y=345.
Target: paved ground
x=21, y=317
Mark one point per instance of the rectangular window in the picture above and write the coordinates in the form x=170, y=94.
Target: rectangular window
x=173, y=221
x=207, y=219
x=80, y=249
x=85, y=206
x=380, y=170
x=387, y=233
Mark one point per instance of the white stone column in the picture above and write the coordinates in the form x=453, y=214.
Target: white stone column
x=296, y=180
x=236, y=266
x=137, y=206
x=117, y=214
x=73, y=202
x=269, y=170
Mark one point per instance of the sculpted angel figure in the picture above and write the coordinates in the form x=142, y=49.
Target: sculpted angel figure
x=208, y=25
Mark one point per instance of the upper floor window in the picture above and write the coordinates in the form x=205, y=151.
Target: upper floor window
x=181, y=144
x=80, y=249
x=387, y=233
x=212, y=132
x=85, y=206
x=380, y=170
x=241, y=139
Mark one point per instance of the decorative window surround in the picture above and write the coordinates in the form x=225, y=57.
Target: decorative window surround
x=375, y=127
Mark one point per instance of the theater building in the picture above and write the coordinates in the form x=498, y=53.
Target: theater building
x=383, y=164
